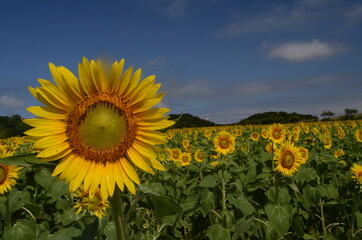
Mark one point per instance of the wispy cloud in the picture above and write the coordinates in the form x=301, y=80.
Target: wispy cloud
x=10, y=101
x=306, y=51
x=157, y=62
x=289, y=16
x=172, y=8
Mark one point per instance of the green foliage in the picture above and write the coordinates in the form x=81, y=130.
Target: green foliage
x=12, y=126
x=277, y=117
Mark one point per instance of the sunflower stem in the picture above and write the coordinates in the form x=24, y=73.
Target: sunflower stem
x=117, y=208
x=8, y=213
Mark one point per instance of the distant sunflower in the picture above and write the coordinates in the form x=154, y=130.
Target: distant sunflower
x=199, y=155
x=264, y=133
x=358, y=135
x=255, y=136
x=185, y=143
x=185, y=159
x=277, y=133
x=175, y=154
x=338, y=153
x=100, y=126
x=287, y=158
x=8, y=174
x=304, y=153
x=357, y=172
x=224, y=143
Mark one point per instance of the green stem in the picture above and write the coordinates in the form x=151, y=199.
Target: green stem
x=223, y=191
x=117, y=208
x=354, y=209
x=322, y=218
x=8, y=213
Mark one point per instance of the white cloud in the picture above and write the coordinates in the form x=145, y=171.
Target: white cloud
x=306, y=51
x=10, y=101
x=157, y=62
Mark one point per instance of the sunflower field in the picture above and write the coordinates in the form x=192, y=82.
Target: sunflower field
x=292, y=181
x=97, y=164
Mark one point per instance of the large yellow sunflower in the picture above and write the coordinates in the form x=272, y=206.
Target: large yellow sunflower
x=224, y=143
x=100, y=126
x=8, y=174
x=277, y=133
x=287, y=158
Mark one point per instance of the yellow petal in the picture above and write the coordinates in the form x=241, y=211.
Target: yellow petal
x=54, y=150
x=83, y=170
x=139, y=160
x=47, y=112
x=109, y=178
x=50, y=141
x=130, y=171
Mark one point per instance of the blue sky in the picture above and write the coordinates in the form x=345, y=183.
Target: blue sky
x=221, y=60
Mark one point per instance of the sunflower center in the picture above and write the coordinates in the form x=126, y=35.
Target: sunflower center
x=175, y=155
x=185, y=159
x=288, y=160
x=224, y=143
x=103, y=127
x=3, y=173
x=276, y=134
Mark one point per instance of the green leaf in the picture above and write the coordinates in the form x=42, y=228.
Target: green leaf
x=241, y=203
x=90, y=232
x=68, y=217
x=189, y=203
x=279, y=218
x=165, y=206
x=20, y=231
x=217, y=232
x=209, y=181
x=65, y=234
x=21, y=160
x=44, y=179
x=15, y=202
x=110, y=231
x=207, y=200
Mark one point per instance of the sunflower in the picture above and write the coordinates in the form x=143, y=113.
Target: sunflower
x=100, y=126
x=287, y=158
x=304, y=153
x=270, y=147
x=175, y=154
x=357, y=172
x=238, y=132
x=185, y=159
x=185, y=143
x=277, y=133
x=207, y=133
x=199, y=155
x=224, y=143
x=8, y=174
x=91, y=203
x=358, y=135
x=338, y=153
x=265, y=133
x=254, y=136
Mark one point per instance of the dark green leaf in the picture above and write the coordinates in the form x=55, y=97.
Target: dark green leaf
x=217, y=232
x=209, y=181
x=242, y=204
x=20, y=231
x=279, y=217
